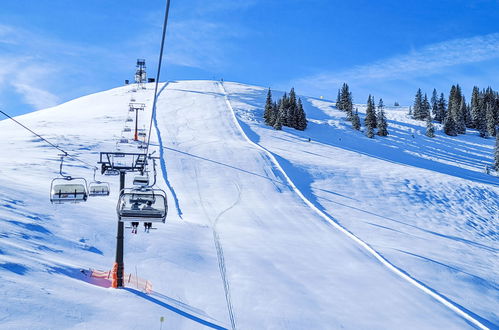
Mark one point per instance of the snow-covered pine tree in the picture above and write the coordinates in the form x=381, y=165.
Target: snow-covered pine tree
x=370, y=119
x=275, y=112
x=461, y=117
x=356, y=120
x=410, y=111
x=338, y=100
x=450, y=125
x=496, y=154
x=467, y=118
x=292, y=110
x=381, y=120
x=349, y=106
x=441, y=108
x=430, y=129
x=418, y=104
x=434, y=102
x=283, y=110
x=491, y=124
x=475, y=107
x=344, y=95
x=281, y=114
x=425, y=107
x=267, y=114
x=301, y=117
x=482, y=118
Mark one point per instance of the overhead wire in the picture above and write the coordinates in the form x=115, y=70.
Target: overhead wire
x=65, y=153
x=165, y=23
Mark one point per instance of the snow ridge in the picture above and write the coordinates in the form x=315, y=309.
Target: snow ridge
x=162, y=158
x=443, y=300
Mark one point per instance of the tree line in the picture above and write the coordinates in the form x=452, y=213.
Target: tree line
x=456, y=115
x=287, y=111
x=375, y=118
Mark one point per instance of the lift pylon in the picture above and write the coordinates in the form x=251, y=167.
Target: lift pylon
x=136, y=107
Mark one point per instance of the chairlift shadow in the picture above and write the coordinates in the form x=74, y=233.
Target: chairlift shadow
x=189, y=315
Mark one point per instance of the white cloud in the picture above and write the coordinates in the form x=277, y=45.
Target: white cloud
x=28, y=82
x=418, y=63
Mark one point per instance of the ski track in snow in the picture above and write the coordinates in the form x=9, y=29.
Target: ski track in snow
x=469, y=316
x=219, y=249
x=281, y=263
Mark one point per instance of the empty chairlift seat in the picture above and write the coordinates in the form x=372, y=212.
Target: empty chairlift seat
x=98, y=188
x=142, y=205
x=68, y=190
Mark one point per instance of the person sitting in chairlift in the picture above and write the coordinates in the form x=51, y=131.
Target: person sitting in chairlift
x=134, y=227
x=148, y=206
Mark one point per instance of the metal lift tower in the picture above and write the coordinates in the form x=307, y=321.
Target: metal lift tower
x=140, y=73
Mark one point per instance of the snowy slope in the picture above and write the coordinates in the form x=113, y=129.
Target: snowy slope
x=424, y=204
x=240, y=247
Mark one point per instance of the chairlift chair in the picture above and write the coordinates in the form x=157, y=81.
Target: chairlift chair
x=129, y=119
x=68, y=190
x=141, y=180
x=127, y=129
x=123, y=140
x=98, y=188
x=142, y=205
x=111, y=171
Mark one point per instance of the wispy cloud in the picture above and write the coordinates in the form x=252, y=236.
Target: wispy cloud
x=197, y=37
x=418, y=63
x=38, y=70
x=201, y=43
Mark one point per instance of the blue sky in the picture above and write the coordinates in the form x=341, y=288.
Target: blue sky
x=52, y=51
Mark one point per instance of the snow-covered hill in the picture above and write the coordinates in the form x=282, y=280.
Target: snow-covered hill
x=252, y=238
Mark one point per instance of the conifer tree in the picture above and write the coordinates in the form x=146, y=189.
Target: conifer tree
x=430, y=129
x=491, y=125
x=450, y=125
x=356, y=120
x=370, y=119
x=418, y=104
x=338, y=100
x=441, y=108
x=434, y=102
x=281, y=114
x=425, y=108
x=273, y=113
x=482, y=119
x=301, y=117
x=381, y=120
x=267, y=114
x=467, y=118
x=496, y=154
x=283, y=109
x=475, y=107
x=292, y=110
x=460, y=116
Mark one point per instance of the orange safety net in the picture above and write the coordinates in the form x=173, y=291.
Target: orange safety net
x=129, y=280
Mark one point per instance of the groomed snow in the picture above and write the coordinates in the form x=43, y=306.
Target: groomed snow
x=240, y=247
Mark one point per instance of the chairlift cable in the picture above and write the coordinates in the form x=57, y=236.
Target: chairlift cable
x=65, y=153
x=167, y=10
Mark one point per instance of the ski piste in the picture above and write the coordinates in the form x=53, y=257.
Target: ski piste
x=285, y=266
